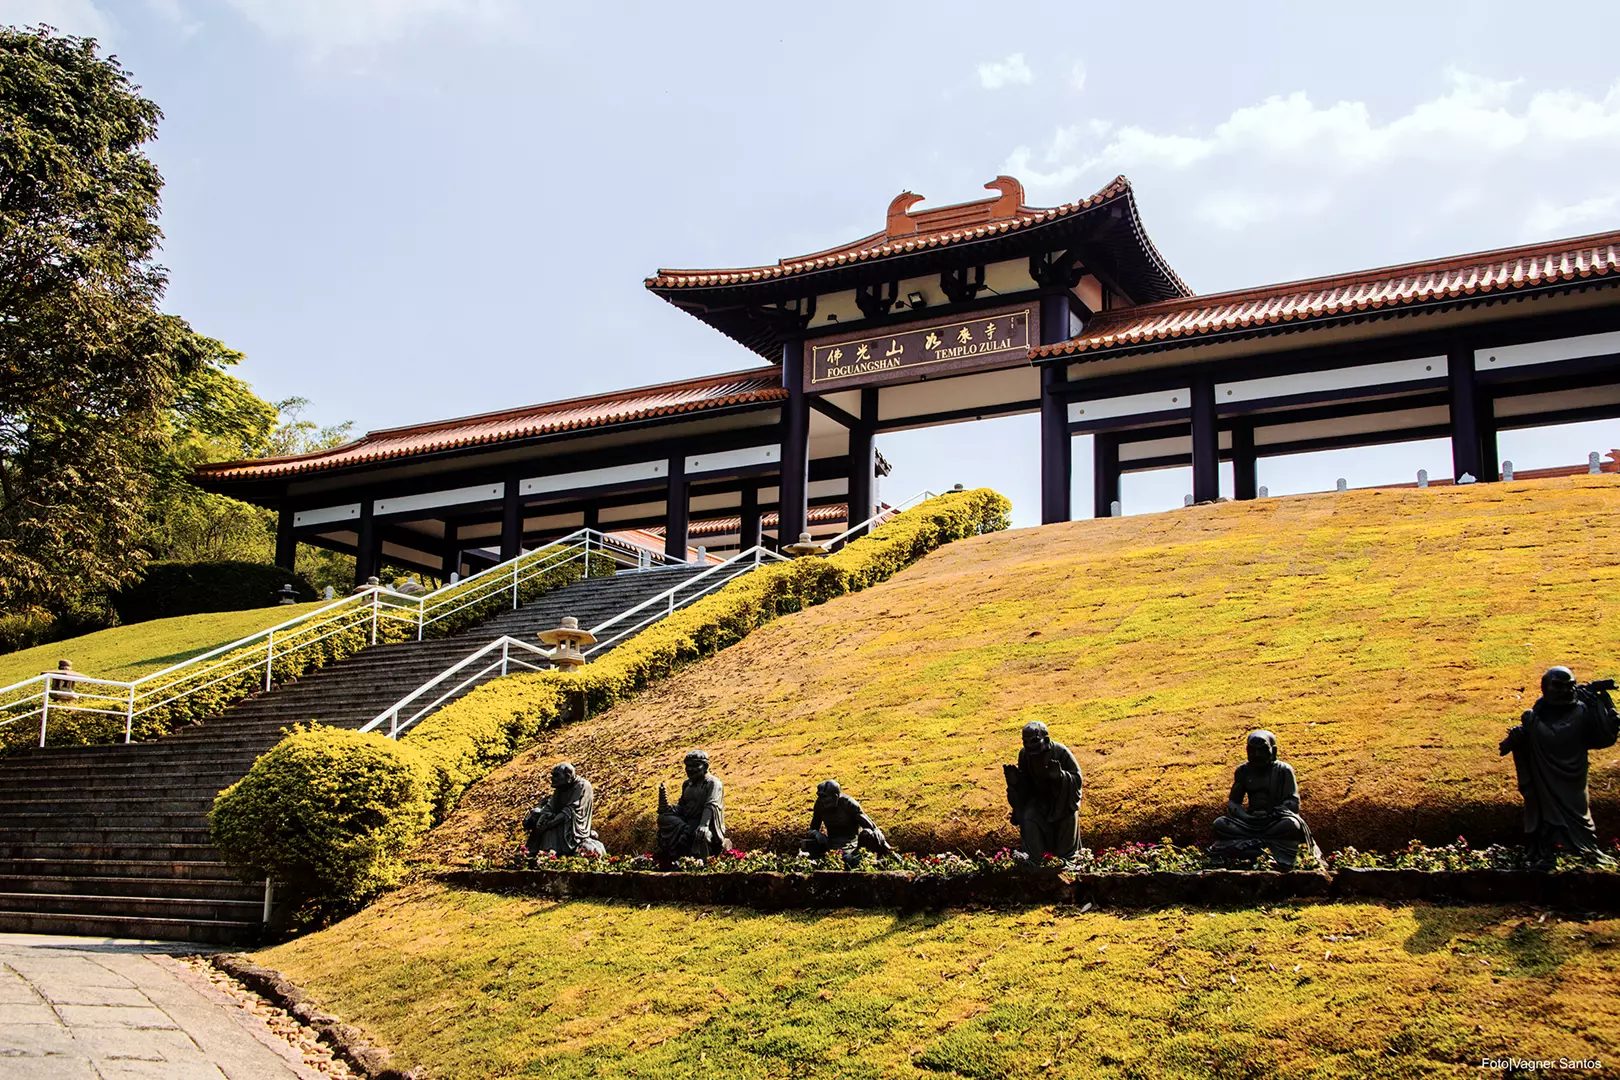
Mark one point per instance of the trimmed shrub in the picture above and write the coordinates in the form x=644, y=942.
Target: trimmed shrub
x=175, y=588
x=328, y=812
x=465, y=740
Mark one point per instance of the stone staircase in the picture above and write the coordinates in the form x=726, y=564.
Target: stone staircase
x=112, y=841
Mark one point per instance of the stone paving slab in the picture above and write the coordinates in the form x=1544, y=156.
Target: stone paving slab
x=103, y=1009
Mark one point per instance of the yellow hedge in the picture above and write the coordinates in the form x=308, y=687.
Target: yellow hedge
x=463, y=741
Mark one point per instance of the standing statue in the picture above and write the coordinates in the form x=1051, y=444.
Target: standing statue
x=1044, y=792
x=1272, y=822
x=562, y=824
x=847, y=828
x=1549, y=755
x=696, y=825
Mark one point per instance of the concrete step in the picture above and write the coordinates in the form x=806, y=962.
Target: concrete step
x=59, y=849
x=54, y=833
x=168, y=870
x=183, y=928
x=109, y=821
x=151, y=888
x=162, y=907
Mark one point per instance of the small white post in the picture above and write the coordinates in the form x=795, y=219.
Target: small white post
x=1507, y=470
x=421, y=616
x=506, y=647
x=1423, y=478
x=1341, y=485
x=330, y=593
x=1186, y=500
x=1466, y=478
x=269, y=658
x=1263, y=493
x=129, y=714
x=587, y=559
x=376, y=594
x=1594, y=464
x=269, y=896
x=514, y=580
x=45, y=709
x=1114, y=509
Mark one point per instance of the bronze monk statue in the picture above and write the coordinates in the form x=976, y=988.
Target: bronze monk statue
x=1043, y=790
x=1272, y=822
x=696, y=825
x=847, y=828
x=562, y=824
x=1549, y=748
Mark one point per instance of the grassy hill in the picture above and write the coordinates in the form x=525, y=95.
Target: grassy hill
x=1387, y=637
x=475, y=985
x=128, y=652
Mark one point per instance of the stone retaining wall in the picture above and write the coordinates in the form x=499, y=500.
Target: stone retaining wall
x=1574, y=891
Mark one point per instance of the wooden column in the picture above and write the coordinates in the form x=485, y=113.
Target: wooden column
x=1245, y=464
x=511, y=523
x=676, y=517
x=1465, y=447
x=793, y=493
x=368, y=551
x=1206, y=442
x=1056, y=446
x=862, y=461
x=286, y=543
x=450, y=550
x=750, y=517
x=1104, y=473
x=1490, y=458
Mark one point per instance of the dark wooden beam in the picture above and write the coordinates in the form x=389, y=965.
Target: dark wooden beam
x=675, y=511
x=1464, y=402
x=1245, y=474
x=1104, y=474
x=286, y=541
x=1206, y=446
x=826, y=408
x=795, y=456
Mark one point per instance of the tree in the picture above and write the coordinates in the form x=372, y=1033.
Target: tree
x=96, y=383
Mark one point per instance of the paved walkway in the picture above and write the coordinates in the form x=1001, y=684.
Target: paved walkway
x=87, y=1007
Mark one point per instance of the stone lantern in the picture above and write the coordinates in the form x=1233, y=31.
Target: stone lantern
x=565, y=641
x=804, y=547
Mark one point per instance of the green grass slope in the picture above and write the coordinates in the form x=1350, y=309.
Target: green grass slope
x=474, y=985
x=1387, y=637
x=128, y=652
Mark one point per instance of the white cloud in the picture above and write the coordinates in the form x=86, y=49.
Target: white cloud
x=1482, y=162
x=81, y=17
x=1077, y=76
x=329, y=26
x=998, y=73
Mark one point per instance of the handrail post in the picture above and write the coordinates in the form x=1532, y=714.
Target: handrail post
x=45, y=709
x=376, y=597
x=269, y=658
x=393, y=723
x=514, y=580
x=129, y=716
x=421, y=616
x=587, y=572
x=506, y=647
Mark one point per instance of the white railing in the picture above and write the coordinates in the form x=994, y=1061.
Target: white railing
x=875, y=520
x=656, y=607
x=369, y=610
x=505, y=661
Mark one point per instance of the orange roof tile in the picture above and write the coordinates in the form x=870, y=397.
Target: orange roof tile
x=597, y=410
x=1479, y=275
x=908, y=232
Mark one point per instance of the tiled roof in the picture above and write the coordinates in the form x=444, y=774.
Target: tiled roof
x=598, y=410
x=1481, y=275
x=830, y=514
x=910, y=232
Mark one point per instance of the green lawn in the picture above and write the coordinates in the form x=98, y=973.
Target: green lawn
x=128, y=652
x=474, y=985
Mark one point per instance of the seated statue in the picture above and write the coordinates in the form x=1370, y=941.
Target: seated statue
x=696, y=825
x=562, y=824
x=1271, y=823
x=1549, y=749
x=1044, y=791
x=838, y=824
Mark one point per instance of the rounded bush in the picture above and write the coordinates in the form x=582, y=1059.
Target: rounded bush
x=327, y=813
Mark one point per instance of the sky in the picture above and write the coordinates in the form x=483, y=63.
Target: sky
x=407, y=210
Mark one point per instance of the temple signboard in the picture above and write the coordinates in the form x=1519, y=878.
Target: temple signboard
x=987, y=340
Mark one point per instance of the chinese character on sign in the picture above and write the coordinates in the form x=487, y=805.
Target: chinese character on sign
x=931, y=341
x=990, y=331
x=863, y=352
x=964, y=335
x=835, y=356
x=895, y=348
